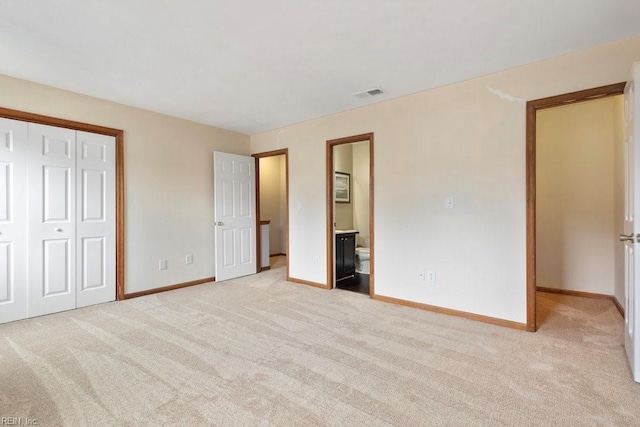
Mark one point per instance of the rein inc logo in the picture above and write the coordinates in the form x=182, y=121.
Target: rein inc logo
x=18, y=421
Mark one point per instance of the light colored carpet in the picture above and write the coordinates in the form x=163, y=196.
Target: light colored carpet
x=261, y=351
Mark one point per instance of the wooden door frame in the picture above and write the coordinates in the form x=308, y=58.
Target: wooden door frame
x=119, y=137
x=531, y=111
x=283, y=152
x=365, y=137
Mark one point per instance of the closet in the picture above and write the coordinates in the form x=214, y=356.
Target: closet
x=57, y=219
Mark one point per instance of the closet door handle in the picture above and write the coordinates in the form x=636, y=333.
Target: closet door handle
x=58, y=229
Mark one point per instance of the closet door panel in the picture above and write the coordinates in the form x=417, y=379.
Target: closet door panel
x=55, y=259
x=13, y=220
x=96, y=230
x=56, y=197
x=52, y=219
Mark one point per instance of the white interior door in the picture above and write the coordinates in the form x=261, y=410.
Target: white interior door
x=13, y=220
x=52, y=219
x=96, y=226
x=632, y=227
x=235, y=215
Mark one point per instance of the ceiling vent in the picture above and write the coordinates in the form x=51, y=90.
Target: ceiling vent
x=368, y=93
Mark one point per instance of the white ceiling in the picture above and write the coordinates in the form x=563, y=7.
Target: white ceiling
x=254, y=65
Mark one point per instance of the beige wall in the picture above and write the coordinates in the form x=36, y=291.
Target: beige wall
x=575, y=204
x=282, y=225
x=273, y=200
x=168, y=179
x=343, y=162
x=465, y=140
x=354, y=160
x=360, y=188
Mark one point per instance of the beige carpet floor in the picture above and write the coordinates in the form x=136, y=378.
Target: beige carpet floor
x=261, y=351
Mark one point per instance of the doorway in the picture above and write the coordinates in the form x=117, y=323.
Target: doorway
x=272, y=208
x=350, y=221
x=535, y=241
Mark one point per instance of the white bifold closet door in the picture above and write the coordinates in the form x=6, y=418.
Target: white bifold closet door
x=71, y=219
x=95, y=219
x=57, y=219
x=52, y=219
x=13, y=220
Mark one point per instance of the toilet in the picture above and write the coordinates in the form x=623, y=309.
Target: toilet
x=362, y=260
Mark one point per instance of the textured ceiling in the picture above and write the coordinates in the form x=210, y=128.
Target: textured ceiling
x=254, y=65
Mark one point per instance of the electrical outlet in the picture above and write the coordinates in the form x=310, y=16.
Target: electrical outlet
x=316, y=260
x=188, y=259
x=162, y=265
x=421, y=275
x=431, y=276
x=449, y=202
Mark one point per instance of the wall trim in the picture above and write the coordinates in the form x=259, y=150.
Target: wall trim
x=582, y=294
x=451, y=312
x=169, y=288
x=120, y=199
x=531, y=109
x=572, y=293
x=308, y=283
x=618, y=305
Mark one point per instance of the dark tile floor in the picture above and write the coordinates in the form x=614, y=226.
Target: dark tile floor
x=360, y=284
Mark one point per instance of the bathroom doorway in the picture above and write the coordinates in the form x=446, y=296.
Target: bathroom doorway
x=350, y=225
x=272, y=209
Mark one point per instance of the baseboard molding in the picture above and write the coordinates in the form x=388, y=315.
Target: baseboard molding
x=272, y=255
x=306, y=282
x=169, y=288
x=451, y=312
x=583, y=295
x=265, y=268
x=618, y=305
x=572, y=293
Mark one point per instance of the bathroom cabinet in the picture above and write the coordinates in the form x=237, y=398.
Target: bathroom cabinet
x=345, y=256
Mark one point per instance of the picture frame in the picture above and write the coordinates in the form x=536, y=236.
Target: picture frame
x=342, y=187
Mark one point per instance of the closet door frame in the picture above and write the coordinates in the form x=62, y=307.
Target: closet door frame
x=119, y=138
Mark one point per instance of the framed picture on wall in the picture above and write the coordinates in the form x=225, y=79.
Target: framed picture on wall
x=343, y=187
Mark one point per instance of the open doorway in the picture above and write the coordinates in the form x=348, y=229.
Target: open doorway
x=575, y=191
x=350, y=230
x=272, y=206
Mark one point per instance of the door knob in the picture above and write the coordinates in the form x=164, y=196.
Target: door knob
x=220, y=223
x=58, y=229
x=626, y=238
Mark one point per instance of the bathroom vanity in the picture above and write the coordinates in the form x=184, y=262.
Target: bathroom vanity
x=345, y=255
